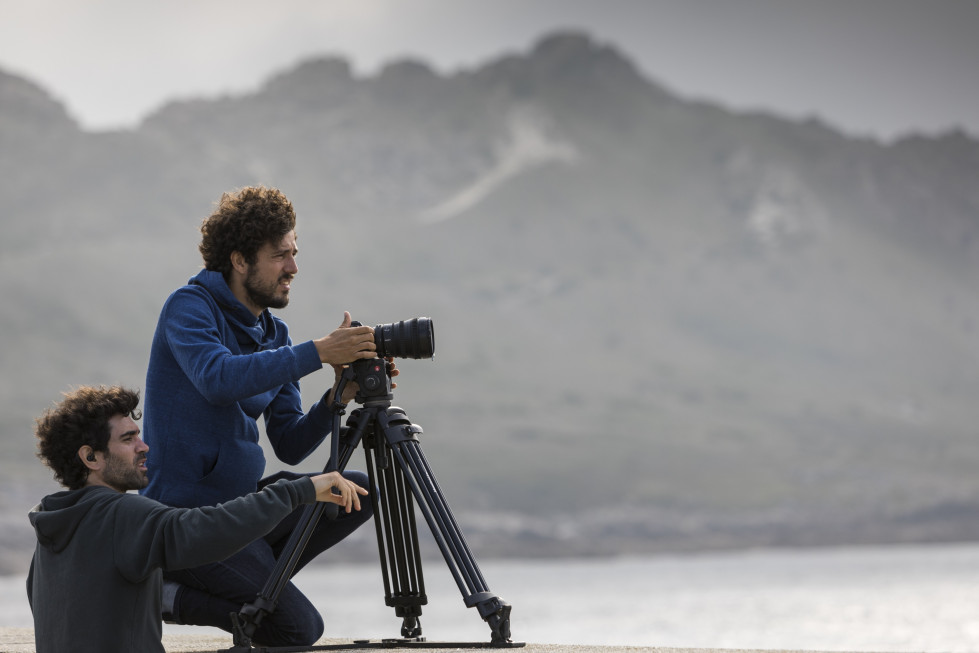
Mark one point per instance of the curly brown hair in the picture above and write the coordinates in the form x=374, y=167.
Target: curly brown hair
x=81, y=418
x=244, y=221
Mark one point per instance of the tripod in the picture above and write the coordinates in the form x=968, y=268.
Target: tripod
x=399, y=477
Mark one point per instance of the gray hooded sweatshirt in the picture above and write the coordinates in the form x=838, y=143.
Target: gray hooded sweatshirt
x=95, y=580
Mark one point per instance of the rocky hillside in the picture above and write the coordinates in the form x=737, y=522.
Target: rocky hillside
x=659, y=323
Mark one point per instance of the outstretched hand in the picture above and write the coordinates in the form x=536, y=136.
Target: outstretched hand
x=332, y=487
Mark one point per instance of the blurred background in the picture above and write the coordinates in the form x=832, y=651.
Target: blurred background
x=703, y=274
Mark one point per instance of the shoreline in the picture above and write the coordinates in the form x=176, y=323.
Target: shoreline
x=910, y=598
x=431, y=557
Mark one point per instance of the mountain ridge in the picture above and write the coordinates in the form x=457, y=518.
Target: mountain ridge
x=741, y=329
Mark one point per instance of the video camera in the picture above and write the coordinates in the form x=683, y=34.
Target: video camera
x=413, y=338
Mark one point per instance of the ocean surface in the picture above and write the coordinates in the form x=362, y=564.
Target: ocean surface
x=892, y=598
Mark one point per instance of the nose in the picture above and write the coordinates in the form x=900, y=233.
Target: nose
x=142, y=446
x=291, y=266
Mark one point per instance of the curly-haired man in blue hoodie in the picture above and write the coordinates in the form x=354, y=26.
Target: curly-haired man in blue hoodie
x=219, y=361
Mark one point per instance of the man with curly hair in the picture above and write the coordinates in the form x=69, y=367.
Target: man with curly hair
x=219, y=361
x=94, y=583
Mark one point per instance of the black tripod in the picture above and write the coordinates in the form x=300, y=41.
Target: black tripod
x=399, y=476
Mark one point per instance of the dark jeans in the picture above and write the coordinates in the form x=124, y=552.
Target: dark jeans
x=211, y=592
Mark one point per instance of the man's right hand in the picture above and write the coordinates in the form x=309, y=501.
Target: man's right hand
x=346, y=344
x=348, y=491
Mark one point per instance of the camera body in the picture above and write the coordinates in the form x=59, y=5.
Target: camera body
x=413, y=338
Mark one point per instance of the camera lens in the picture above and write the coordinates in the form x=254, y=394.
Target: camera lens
x=413, y=338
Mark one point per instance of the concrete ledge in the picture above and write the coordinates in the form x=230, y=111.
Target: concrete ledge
x=21, y=640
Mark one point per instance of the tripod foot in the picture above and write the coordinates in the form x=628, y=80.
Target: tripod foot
x=411, y=628
x=239, y=627
x=496, y=613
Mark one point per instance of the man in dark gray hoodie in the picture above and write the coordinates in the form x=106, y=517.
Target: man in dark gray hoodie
x=95, y=579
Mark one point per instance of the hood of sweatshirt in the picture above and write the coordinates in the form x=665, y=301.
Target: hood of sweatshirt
x=57, y=518
x=252, y=333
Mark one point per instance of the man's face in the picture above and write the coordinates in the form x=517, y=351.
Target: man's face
x=268, y=280
x=125, y=460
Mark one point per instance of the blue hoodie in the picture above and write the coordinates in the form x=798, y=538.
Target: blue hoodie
x=214, y=370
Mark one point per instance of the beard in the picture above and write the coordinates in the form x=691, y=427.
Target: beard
x=265, y=294
x=123, y=475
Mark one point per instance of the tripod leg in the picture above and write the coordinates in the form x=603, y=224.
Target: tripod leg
x=401, y=436
x=397, y=541
x=245, y=622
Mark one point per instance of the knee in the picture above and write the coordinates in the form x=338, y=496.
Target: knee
x=312, y=630
x=358, y=477
x=302, y=627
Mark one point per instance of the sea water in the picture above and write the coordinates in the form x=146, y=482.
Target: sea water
x=892, y=598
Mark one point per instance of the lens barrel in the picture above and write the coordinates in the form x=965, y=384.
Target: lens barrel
x=413, y=338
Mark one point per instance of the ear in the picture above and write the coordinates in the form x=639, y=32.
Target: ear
x=89, y=457
x=238, y=262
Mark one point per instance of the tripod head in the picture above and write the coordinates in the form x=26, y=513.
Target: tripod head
x=373, y=380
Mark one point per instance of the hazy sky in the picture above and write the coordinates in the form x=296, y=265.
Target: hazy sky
x=867, y=67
